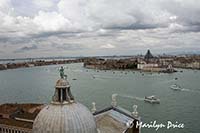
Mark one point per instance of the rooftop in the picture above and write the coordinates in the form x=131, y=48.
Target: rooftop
x=16, y=123
x=114, y=120
x=22, y=111
x=11, y=108
x=109, y=120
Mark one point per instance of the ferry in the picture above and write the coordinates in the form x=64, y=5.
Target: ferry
x=152, y=99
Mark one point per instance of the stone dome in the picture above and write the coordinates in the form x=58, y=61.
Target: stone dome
x=68, y=118
x=61, y=83
x=64, y=114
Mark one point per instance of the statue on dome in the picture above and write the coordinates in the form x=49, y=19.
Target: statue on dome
x=62, y=73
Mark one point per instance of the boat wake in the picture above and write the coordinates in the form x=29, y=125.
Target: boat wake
x=77, y=70
x=189, y=90
x=132, y=97
x=104, y=77
x=185, y=89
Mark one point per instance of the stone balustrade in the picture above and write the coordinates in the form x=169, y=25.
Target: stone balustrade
x=13, y=129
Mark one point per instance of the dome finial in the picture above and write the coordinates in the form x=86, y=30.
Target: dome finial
x=62, y=92
x=62, y=73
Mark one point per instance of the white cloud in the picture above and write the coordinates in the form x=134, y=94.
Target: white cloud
x=85, y=25
x=51, y=21
x=107, y=46
x=102, y=31
x=175, y=27
x=5, y=6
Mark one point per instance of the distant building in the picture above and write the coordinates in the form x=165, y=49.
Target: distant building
x=146, y=66
x=154, y=64
x=149, y=57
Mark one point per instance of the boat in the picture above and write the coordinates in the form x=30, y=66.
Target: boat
x=176, y=87
x=152, y=99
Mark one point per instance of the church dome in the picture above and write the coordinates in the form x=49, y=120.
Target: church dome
x=69, y=118
x=64, y=114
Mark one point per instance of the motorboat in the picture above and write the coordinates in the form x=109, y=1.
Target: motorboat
x=151, y=99
x=176, y=87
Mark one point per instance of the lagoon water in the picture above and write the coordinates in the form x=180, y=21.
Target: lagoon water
x=37, y=85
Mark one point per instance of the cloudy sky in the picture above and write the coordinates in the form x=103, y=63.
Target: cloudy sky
x=38, y=28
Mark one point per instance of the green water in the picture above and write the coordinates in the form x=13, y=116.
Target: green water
x=37, y=85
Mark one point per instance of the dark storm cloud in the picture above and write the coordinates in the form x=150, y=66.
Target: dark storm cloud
x=192, y=28
x=186, y=12
x=26, y=48
x=135, y=26
x=69, y=46
x=14, y=40
x=56, y=33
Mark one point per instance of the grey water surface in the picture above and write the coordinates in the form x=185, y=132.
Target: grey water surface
x=36, y=85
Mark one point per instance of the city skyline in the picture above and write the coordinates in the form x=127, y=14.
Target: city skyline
x=34, y=28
